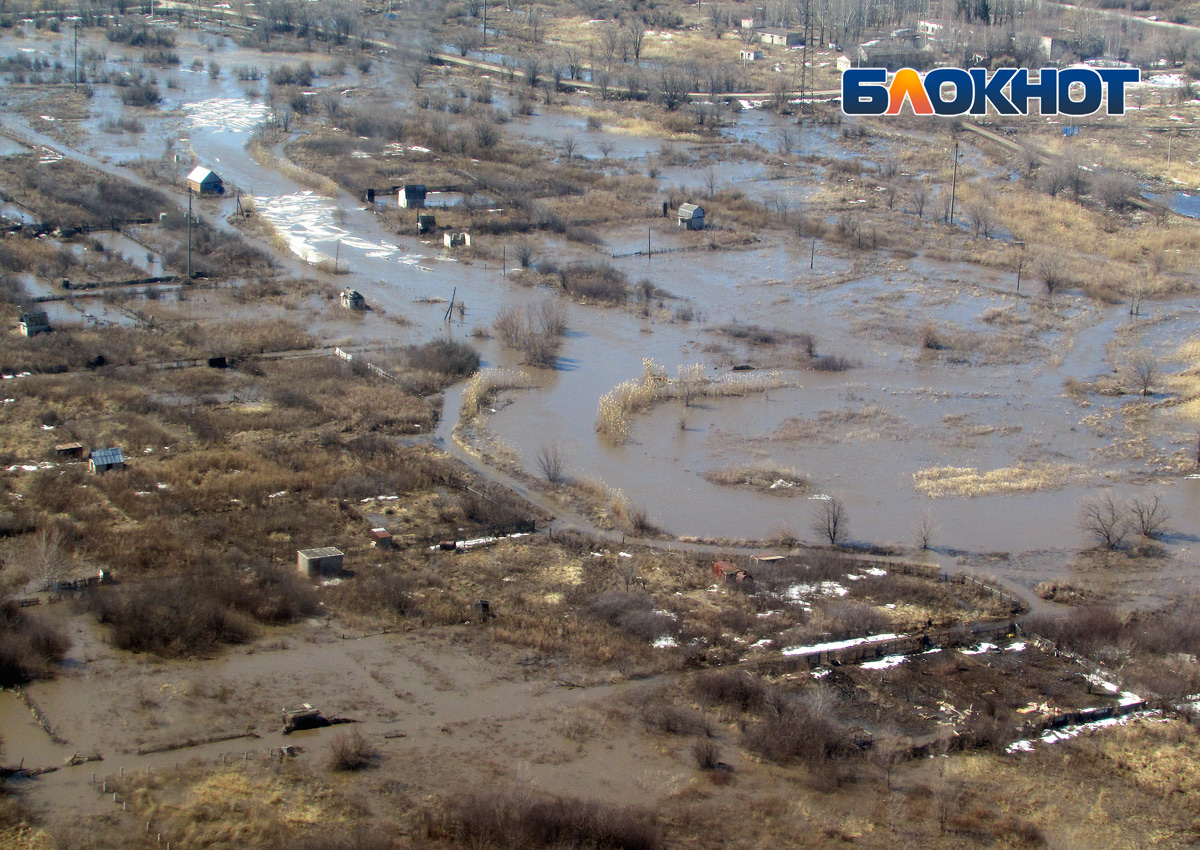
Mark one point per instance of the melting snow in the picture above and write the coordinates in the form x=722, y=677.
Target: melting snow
x=837, y=644
x=884, y=663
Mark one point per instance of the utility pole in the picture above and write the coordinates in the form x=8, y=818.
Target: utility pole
x=647, y=244
x=337, y=252
x=189, y=259
x=954, y=184
x=485, y=23
x=75, y=70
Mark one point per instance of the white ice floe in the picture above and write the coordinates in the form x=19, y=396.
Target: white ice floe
x=233, y=114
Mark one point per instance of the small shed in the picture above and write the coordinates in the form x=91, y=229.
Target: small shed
x=352, y=299
x=381, y=538
x=691, y=216
x=426, y=224
x=34, y=323
x=455, y=240
x=750, y=55
x=730, y=573
x=204, y=181
x=103, y=460
x=780, y=37
x=323, y=561
x=74, y=450
x=844, y=64
x=749, y=23
x=411, y=196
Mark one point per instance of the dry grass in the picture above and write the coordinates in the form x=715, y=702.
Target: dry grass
x=942, y=481
x=765, y=477
x=486, y=383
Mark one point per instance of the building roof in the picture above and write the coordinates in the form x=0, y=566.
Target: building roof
x=725, y=567
x=61, y=447
x=38, y=317
x=380, y=533
x=201, y=174
x=689, y=210
x=108, y=456
x=778, y=31
x=414, y=189
x=322, y=552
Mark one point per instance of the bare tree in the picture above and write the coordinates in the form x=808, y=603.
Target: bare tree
x=918, y=193
x=569, y=145
x=710, y=181
x=1150, y=515
x=926, y=530
x=606, y=147
x=331, y=103
x=524, y=250
x=551, y=462
x=1053, y=277
x=673, y=87
x=829, y=521
x=787, y=139
x=636, y=34
x=1143, y=371
x=1104, y=517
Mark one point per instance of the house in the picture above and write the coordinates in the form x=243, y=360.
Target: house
x=749, y=23
x=843, y=64
x=780, y=37
x=324, y=561
x=454, y=240
x=74, y=450
x=352, y=299
x=204, y=181
x=381, y=538
x=32, y=324
x=691, y=216
x=411, y=196
x=730, y=573
x=103, y=460
x=750, y=56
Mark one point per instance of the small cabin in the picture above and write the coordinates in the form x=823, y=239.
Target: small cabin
x=750, y=56
x=323, y=561
x=691, y=216
x=352, y=299
x=204, y=181
x=426, y=224
x=34, y=323
x=780, y=37
x=455, y=240
x=69, y=450
x=844, y=64
x=381, y=538
x=411, y=197
x=102, y=460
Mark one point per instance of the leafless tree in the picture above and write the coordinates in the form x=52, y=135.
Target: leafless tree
x=1052, y=275
x=673, y=88
x=1143, y=371
x=569, y=145
x=1105, y=518
x=606, y=147
x=787, y=139
x=979, y=213
x=416, y=71
x=331, y=103
x=926, y=530
x=636, y=33
x=829, y=521
x=918, y=193
x=551, y=462
x=466, y=41
x=524, y=250
x=1150, y=515
x=710, y=181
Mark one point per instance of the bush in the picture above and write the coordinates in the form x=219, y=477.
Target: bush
x=521, y=820
x=447, y=357
x=633, y=613
x=28, y=646
x=801, y=730
x=352, y=751
x=595, y=282
x=734, y=689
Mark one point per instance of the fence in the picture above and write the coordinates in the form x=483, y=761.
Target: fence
x=371, y=367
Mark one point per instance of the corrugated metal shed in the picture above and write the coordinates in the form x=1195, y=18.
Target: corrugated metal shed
x=321, y=552
x=107, y=457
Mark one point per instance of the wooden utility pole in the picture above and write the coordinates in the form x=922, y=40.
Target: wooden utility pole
x=75, y=69
x=189, y=234
x=954, y=184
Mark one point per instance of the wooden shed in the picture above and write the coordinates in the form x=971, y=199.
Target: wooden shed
x=34, y=323
x=691, y=216
x=323, y=561
x=352, y=299
x=103, y=460
x=74, y=450
x=204, y=181
x=411, y=196
x=381, y=538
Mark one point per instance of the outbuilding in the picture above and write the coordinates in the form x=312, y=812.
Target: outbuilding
x=780, y=37
x=204, y=181
x=102, y=460
x=352, y=299
x=381, y=538
x=691, y=216
x=34, y=323
x=323, y=561
x=412, y=196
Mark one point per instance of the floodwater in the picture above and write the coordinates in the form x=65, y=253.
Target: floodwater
x=1184, y=203
x=996, y=401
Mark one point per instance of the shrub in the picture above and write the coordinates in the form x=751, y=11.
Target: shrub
x=352, y=751
x=595, y=282
x=28, y=646
x=707, y=754
x=633, y=613
x=445, y=356
x=521, y=820
x=734, y=689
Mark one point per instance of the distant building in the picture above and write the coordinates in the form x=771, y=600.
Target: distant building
x=750, y=56
x=691, y=216
x=844, y=64
x=426, y=223
x=381, y=538
x=780, y=37
x=352, y=299
x=74, y=450
x=411, y=197
x=324, y=561
x=730, y=573
x=34, y=323
x=204, y=181
x=456, y=240
x=749, y=23
x=102, y=460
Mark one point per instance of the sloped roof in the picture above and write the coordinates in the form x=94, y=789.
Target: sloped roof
x=321, y=552
x=200, y=174
x=108, y=456
x=689, y=210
